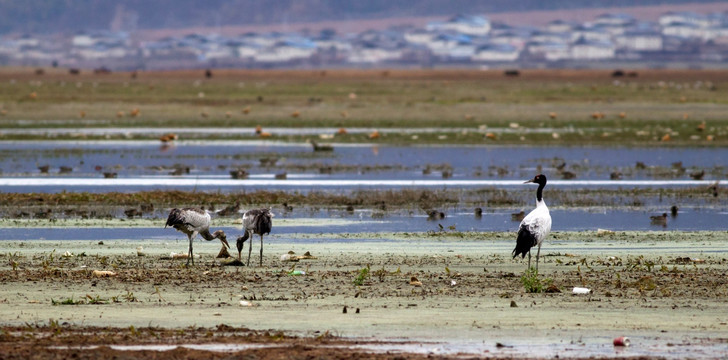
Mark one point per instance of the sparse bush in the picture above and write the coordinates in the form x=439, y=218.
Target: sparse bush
x=531, y=282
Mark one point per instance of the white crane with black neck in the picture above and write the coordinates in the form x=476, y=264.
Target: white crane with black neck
x=193, y=221
x=535, y=227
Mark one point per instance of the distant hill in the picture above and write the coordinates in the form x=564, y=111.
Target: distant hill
x=52, y=16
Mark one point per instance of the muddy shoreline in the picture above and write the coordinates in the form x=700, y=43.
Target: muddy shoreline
x=665, y=290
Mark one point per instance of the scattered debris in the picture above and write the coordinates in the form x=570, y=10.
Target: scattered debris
x=621, y=341
x=603, y=232
x=291, y=256
x=103, y=273
x=580, y=290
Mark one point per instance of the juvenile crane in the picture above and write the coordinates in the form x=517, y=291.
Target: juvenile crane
x=535, y=227
x=255, y=221
x=193, y=221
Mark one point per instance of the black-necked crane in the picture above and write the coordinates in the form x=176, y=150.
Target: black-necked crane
x=255, y=221
x=535, y=227
x=193, y=221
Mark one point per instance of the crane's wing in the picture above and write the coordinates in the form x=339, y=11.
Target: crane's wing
x=190, y=217
x=533, y=229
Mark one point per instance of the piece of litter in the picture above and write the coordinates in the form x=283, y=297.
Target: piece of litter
x=103, y=273
x=296, y=272
x=621, y=341
x=246, y=303
x=602, y=232
x=580, y=290
x=67, y=254
x=453, y=283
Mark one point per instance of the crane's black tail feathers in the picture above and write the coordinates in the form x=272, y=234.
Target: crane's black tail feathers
x=526, y=240
x=175, y=218
x=263, y=223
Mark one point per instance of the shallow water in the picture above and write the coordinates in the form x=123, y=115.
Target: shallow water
x=363, y=221
x=215, y=157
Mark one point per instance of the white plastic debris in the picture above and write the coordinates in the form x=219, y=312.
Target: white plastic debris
x=580, y=290
x=140, y=251
x=67, y=254
x=246, y=303
x=602, y=232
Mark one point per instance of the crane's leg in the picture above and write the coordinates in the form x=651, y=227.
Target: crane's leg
x=261, y=250
x=250, y=248
x=529, y=259
x=189, y=252
x=538, y=253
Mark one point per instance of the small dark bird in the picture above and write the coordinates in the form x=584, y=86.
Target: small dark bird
x=255, y=221
x=714, y=188
x=239, y=174
x=535, y=227
x=230, y=210
x=130, y=213
x=566, y=175
x=697, y=175
x=518, y=216
x=659, y=220
x=673, y=210
x=615, y=175
x=321, y=147
x=478, y=213
x=435, y=215
x=193, y=221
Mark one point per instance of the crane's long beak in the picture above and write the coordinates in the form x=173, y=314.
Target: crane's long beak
x=528, y=181
x=224, y=242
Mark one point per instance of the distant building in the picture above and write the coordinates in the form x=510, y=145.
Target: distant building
x=286, y=51
x=549, y=51
x=584, y=49
x=559, y=26
x=614, y=20
x=684, y=17
x=463, y=24
x=496, y=52
x=639, y=40
x=590, y=33
x=369, y=53
x=687, y=30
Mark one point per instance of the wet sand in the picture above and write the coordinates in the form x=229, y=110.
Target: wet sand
x=665, y=290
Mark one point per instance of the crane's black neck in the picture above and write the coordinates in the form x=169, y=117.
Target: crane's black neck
x=539, y=192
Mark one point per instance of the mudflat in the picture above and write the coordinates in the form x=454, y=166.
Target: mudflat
x=372, y=294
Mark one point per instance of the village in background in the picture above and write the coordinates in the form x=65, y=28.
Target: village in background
x=677, y=39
